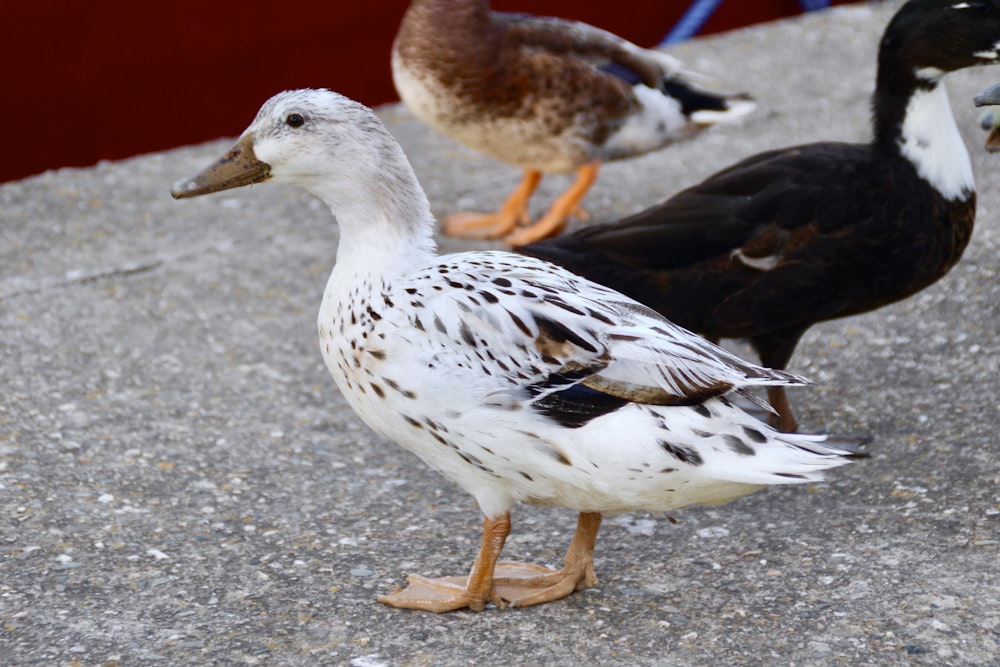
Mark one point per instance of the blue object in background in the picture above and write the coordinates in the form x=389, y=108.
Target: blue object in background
x=701, y=10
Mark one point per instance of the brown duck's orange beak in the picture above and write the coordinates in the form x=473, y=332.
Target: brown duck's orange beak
x=236, y=168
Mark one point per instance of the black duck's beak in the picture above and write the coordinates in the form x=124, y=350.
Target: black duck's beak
x=238, y=167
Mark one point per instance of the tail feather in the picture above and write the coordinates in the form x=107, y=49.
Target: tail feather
x=706, y=108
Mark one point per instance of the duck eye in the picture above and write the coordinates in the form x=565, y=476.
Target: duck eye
x=295, y=120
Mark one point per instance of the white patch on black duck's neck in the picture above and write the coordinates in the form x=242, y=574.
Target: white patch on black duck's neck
x=931, y=142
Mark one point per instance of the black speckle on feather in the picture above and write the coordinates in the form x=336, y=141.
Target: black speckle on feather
x=466, y=333
x=556, y=301
x=561, y=334
x=702, y=410
x=519, y=323
x=682, y=454
x=599, y=316
x=738, y=445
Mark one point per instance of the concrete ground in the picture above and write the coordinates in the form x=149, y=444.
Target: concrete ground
x=181, y=483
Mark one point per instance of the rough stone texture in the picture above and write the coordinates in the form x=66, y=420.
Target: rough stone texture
x=180, y=482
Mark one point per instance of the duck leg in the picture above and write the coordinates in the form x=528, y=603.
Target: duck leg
x=451, y=593
x=567, y=204
x=523, y=584
x=500, y=223
x=775, y=351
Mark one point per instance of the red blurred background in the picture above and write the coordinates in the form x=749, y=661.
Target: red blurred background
x=109, y=79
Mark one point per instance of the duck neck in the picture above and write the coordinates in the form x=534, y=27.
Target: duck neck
x=385, y=222
x=913, y=120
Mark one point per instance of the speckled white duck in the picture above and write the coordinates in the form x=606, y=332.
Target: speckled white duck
x=544, y=94
x=512, y=377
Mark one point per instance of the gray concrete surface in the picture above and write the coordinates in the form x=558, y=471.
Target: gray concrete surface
x=181, y=484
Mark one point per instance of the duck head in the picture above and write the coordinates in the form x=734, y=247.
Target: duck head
x=935, y=37
x=310, y=138
x=336, y=149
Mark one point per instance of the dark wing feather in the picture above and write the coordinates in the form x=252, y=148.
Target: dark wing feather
x=725, y=257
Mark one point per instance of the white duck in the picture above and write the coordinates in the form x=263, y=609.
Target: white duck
x=512, y=377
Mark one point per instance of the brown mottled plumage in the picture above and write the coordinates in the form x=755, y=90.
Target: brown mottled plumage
x=543, y=94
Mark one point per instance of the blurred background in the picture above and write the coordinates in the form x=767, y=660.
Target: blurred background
x=85, y=82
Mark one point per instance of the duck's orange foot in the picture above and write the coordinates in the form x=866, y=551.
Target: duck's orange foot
x=482, y=226
x=496, y=225
x=519, y=584
x=437, y=595
x=524, y=584
x=566, y=205
x=549, y=225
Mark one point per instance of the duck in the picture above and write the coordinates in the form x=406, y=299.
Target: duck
x=989, y=120
x=514, y=378
x=791, y=237
x=546, y=95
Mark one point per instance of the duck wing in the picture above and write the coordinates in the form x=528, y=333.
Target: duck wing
x=570, y=349
x=585, y=42
x=757, y=245
x=774, y=201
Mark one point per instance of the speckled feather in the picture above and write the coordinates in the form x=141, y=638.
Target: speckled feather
x=522, y=382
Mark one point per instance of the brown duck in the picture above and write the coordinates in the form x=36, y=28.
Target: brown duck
x=544, y=94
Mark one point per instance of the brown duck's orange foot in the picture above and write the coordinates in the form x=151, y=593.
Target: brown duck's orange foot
x=566, y=205
x=548, y=225
x=496, y=225
x=482, y=225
